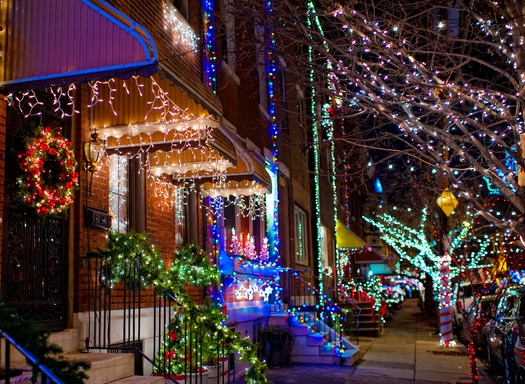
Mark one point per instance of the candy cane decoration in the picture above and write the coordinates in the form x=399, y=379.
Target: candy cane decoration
x=445, y=309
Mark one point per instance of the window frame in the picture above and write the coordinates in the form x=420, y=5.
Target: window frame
x=301, y=236
x=119, y=174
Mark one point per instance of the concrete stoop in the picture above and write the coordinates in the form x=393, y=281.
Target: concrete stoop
x=310, y=347
x=114, y=368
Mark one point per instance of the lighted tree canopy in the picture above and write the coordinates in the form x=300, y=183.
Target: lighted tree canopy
x=440, y=84
x=418, y=245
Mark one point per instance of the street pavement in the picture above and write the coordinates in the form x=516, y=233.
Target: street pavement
x=408, y=351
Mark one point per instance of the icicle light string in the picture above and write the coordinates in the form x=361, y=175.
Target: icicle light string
x=253, y=205
x=29, y=105
x=179, y=29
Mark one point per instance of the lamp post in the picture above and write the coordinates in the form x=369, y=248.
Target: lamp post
x=447, y=202
x=92, y=153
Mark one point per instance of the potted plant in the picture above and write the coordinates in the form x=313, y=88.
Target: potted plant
x=277, y=342
x=181, y=354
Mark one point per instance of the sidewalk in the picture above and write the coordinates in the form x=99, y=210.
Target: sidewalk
x=407, y=352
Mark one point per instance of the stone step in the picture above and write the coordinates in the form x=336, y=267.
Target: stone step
x=105, y=367
x=301, y=347
x=139, y=380
x=315, y=339
x=67, y=339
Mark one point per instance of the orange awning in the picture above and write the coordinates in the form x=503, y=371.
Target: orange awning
x=247, y=177
x=154, y=116
x=195, y=161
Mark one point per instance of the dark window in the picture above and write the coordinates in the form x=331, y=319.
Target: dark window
x=182, y=7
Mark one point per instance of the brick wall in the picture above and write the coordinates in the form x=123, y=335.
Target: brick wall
x=86, y=239
x=150, y=15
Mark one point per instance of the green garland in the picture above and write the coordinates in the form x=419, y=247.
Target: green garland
x=121, y=256
x=191, y=266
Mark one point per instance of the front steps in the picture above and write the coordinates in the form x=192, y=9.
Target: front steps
x=114, y=368
x=365, y=321
x=313, y=347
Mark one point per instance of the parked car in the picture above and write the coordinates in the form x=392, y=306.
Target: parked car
x=519, y=352
x=502, y=331
x=477, y=315
x=463, y=296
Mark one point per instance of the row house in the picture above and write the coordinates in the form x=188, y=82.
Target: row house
x=198, y=149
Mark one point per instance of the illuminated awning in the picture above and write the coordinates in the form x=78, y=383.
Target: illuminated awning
x=153, y=116
x=369, y=256
x=346, y=238
x=248, y=177
x=209, y=156
x=53, y=42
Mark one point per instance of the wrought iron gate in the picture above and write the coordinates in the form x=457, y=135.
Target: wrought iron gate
x=34, y=260
x=35, y=267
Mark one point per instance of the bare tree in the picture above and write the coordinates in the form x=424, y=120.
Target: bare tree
x=437, y=84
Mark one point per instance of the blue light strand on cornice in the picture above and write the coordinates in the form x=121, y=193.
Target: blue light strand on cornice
x=210, y=44
x=271, y=72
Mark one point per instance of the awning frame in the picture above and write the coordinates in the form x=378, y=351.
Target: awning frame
x=141, y=34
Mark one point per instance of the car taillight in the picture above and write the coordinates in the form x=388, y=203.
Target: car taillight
x=483, y=321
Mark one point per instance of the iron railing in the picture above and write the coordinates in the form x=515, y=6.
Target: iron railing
x=125, y=317
x=306, y=304
x=46, y=375
x=366, y=318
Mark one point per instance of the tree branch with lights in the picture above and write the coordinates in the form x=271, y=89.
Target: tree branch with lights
x=435, y=84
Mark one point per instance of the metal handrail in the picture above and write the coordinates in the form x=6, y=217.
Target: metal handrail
x=46, y=374
x=319, y=315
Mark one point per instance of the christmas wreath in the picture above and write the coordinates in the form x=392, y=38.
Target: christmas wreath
x=49, y=175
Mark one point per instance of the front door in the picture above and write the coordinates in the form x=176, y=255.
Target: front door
x=34, y=260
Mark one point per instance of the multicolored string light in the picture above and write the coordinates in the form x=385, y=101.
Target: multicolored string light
x=273, y=165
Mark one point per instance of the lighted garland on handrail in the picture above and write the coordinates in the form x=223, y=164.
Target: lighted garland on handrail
x=132, y=259
x=120, y=256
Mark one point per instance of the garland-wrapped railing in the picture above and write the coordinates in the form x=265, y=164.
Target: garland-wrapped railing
x=45, y=375
x=127, y=318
